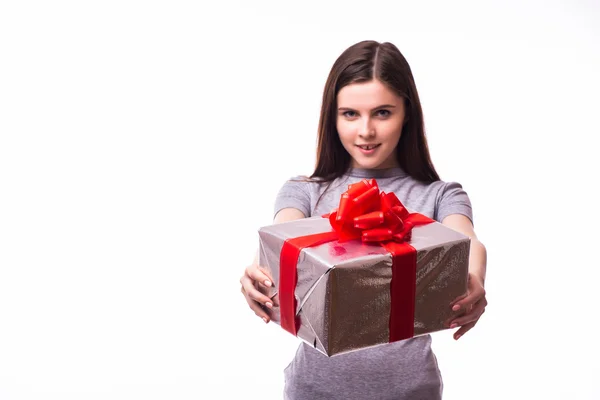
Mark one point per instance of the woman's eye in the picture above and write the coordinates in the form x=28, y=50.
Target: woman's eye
x=349, y=114
x=383, y=113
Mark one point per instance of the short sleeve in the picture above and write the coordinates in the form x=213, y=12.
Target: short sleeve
x=453, y=200
x=294, y=193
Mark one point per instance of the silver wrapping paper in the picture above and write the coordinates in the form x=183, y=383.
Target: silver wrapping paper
x=343, y=290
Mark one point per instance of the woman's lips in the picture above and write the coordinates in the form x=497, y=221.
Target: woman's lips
x=368, y=149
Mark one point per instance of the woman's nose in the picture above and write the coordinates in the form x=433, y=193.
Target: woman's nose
x=366, y=130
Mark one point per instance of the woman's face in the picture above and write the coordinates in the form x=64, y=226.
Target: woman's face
x=369, y=122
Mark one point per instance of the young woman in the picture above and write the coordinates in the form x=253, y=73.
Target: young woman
x=371, y=126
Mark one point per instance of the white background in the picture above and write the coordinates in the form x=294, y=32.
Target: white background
x=143, y=143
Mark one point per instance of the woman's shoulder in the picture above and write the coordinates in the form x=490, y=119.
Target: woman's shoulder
x=439, y=186
x=304, y=182
x=451, y=198
x=445, y=188
x=444, y=191
x=298, y=192
x=436, y=198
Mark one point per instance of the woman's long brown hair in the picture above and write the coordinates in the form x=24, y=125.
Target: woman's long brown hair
x=364, y=62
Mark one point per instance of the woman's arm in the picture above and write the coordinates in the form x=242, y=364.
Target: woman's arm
x=470, y=308
x=478, y=253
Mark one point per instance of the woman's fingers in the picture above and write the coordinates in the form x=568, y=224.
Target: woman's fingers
x=464, y=329
x=256, y=307
x=255, y=299
x=472, y=297
x=475, y=292
x=474, y=315
x=260, y=275
x=275, y=300
x=253, y=293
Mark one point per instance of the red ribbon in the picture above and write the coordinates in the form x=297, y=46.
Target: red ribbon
x=376, y=218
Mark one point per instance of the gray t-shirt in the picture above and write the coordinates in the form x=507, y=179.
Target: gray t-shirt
x=402, y=370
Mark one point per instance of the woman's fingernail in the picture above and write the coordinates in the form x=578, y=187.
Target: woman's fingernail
x=269, y=304
x=266, y=320
x=267, y=282
x=453, y=326
x=456, y=307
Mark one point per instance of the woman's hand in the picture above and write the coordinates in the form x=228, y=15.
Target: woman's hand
x=254, y=278
x=469, y=308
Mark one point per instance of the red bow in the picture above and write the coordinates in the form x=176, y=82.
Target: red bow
x=365, y=213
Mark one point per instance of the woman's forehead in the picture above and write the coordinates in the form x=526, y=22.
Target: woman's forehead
x=366, y=94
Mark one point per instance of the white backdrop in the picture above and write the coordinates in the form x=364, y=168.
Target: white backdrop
x=143, y=143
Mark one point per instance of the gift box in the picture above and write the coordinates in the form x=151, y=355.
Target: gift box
x=370, y=273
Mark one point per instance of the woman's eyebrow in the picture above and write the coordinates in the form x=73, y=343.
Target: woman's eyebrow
x=376, y=108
